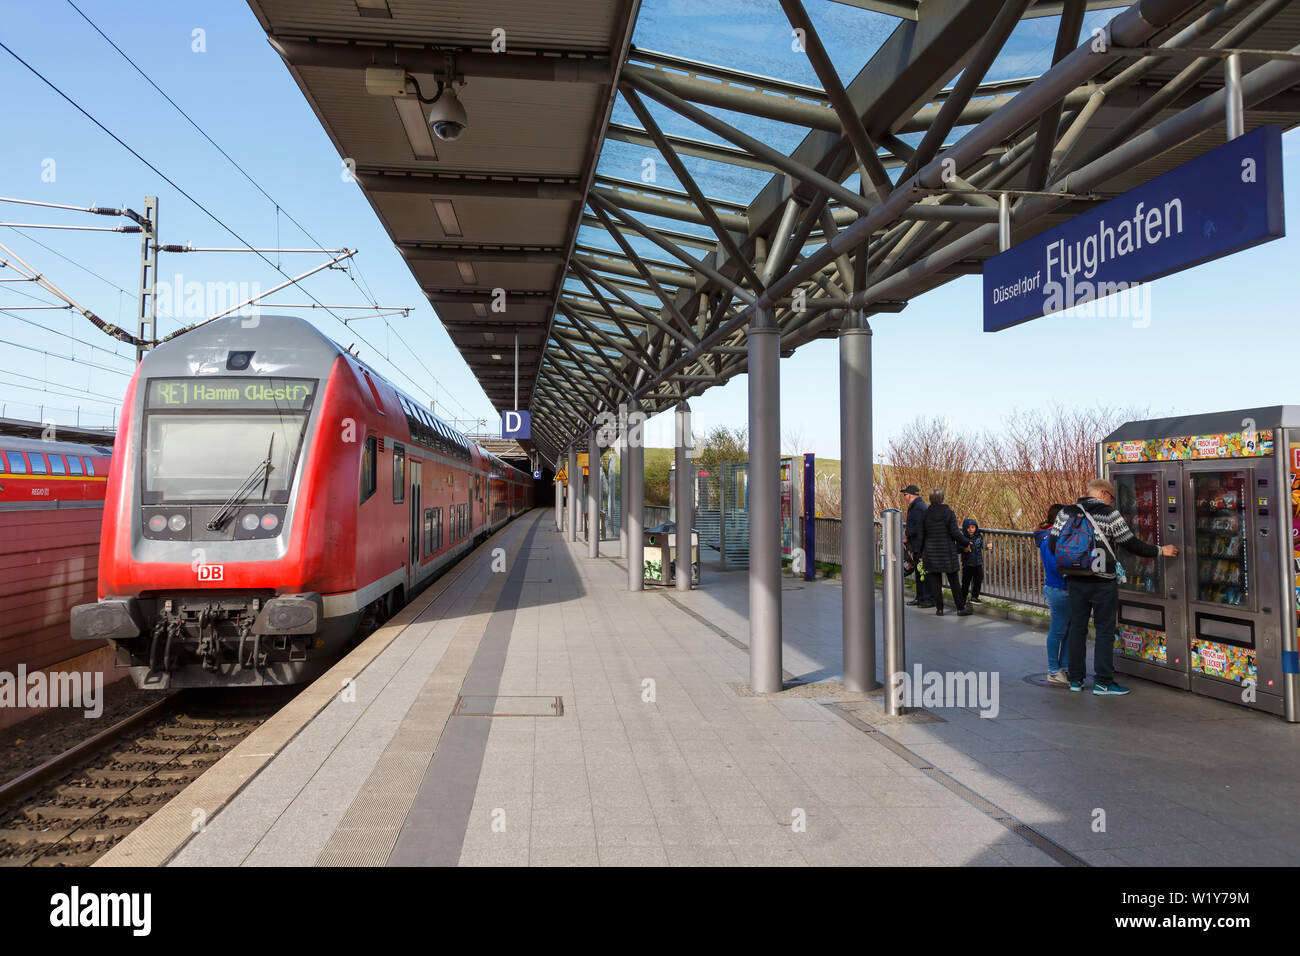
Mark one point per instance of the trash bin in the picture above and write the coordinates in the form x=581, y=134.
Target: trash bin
x=659, y=545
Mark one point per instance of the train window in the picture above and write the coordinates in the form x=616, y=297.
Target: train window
x=74, y=465
x=17, y=466
x=369, y=468
x=428, y=531
x=56, y=465
x=437, y=529
x=399, y=474
x=37, y=461
x=90, y=466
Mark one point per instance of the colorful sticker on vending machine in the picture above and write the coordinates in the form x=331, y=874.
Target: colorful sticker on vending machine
x=1295, y=526
x=1227, y=661
x=1141, y=642
x=1192, y=447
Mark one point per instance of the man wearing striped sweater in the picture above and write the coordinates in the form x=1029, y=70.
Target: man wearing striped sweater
x=1096, y=593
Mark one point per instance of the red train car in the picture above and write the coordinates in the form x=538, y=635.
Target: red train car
x=271, y=493
x=51, y=508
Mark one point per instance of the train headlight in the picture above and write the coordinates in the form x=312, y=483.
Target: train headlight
x=157, y=524
x=270, y=522
x=177, y=522
x=249, y=521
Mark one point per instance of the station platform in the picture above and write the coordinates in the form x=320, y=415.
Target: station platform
x=656, y=753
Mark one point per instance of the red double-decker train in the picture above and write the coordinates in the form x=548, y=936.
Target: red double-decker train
x=51, y=508
x=270, y=496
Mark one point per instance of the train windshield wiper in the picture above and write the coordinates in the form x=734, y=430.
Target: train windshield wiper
x=260, y=473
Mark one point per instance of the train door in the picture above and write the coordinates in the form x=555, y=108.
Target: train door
x=1151, y=630
x=1229, y=573
x=417, y=518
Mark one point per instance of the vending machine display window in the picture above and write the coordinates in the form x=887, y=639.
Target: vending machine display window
x=1138, y=500
x=1219, y=503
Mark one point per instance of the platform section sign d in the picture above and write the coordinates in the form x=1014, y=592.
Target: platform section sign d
x=516, y=424
x=1225, y=201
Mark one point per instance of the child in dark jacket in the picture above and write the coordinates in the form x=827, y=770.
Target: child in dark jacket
x=972, y=562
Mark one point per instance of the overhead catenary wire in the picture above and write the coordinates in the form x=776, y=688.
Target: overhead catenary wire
x=63, y=389
x=122, y=334
x=65, y=358
x=8, y=310
x=78, y=265
x=43, y=225
x=119, y=333
x=279, y=210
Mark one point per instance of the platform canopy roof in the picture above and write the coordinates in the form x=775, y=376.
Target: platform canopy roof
x=640, y=183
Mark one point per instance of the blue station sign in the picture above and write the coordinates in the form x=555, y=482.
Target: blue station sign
x=1227, y=200
x=516, y=424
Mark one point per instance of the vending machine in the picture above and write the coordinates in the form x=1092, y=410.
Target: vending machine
x=1221, y=618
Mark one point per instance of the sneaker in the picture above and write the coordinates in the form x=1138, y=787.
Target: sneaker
x=974, y=601
x=939, y=612
x=1076, y=685
x=1059, y=679
x=964, y=612
x=1110, y=689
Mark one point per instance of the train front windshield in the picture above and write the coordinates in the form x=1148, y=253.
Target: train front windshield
x=203, y=438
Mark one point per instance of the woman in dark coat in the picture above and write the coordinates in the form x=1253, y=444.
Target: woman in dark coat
x=943, y=539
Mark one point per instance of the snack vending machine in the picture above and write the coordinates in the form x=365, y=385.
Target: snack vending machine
x=1221, y=618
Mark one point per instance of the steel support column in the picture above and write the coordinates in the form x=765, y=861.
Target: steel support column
x=593, y=496
x=575, y=483
x=685, y=472
x=622, y=482
x=858, y=541
x=635, y=500
x=764, y=505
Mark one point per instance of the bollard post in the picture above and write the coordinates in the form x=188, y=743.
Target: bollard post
x=895, y=648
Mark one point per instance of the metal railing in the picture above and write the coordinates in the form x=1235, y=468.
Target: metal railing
x=1013, y=567
x=1013, y=570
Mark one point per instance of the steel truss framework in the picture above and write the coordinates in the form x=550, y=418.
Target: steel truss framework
x=810, y=256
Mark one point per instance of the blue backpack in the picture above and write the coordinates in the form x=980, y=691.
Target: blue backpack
x=1077, y=544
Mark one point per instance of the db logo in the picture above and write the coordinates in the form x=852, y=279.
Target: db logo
x=212, y=572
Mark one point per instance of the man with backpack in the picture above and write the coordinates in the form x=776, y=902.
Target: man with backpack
x=1083, y=540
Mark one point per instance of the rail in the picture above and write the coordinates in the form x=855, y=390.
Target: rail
x=1013, y=570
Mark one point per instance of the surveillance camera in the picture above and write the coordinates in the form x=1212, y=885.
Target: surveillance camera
x=448, y=117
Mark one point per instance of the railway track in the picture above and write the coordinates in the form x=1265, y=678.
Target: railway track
x=75, y=808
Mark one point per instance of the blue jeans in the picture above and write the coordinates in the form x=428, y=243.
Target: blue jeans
x=1058, y=648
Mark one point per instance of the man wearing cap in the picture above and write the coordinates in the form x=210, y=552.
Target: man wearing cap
x=913, y=535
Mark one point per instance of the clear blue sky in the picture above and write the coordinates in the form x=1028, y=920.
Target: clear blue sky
x=1218, y=336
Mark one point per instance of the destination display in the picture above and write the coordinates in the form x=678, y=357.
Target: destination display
x=1222, y=202
x=230, y=394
